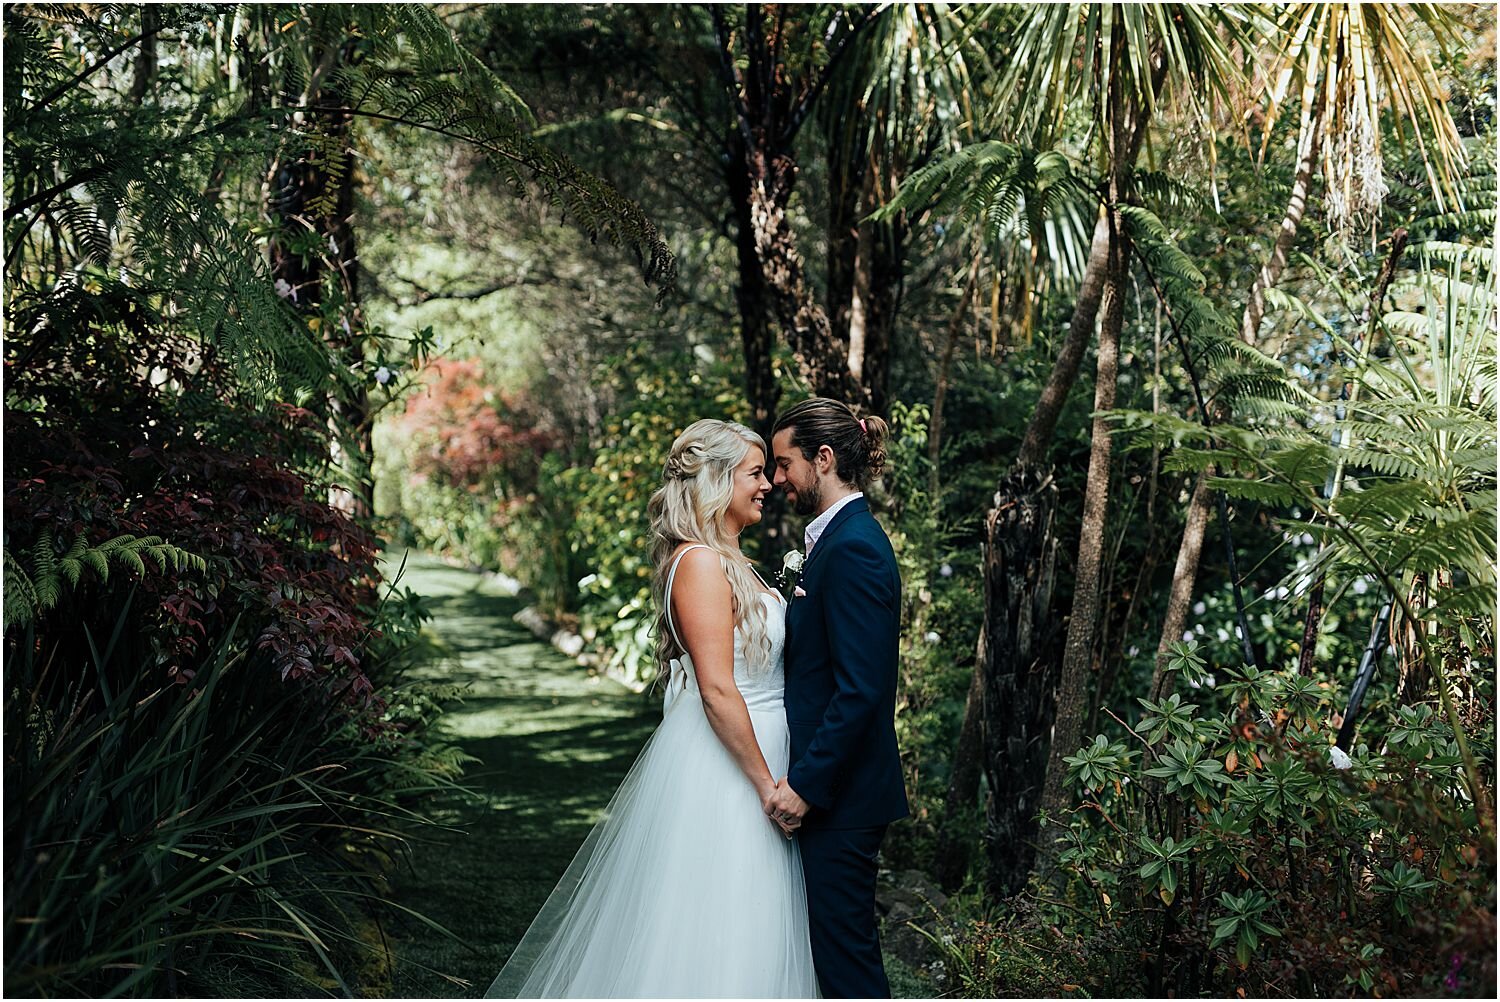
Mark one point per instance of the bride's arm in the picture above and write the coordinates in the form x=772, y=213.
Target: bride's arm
x=703, y=610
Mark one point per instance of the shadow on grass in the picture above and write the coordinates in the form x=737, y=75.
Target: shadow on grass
x=553, y=744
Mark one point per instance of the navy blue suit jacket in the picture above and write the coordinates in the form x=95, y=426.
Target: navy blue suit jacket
x=841, y=653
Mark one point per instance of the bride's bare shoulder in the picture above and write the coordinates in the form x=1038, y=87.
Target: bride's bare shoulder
x=698, y=564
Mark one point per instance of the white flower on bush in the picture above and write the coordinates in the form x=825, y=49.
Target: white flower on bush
x=1360, y=586
x=792, y=562
x=383, y=375
x=1339, y=757
x=946, y=570
x=285, y=291
x=932, y=637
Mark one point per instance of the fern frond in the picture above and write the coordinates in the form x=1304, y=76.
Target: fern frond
x=1279, y=300
x=1164, y=193
x=21, y=600
x=1266, y=492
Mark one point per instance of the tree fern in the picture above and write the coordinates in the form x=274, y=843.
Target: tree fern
x=32, y=591
x=1017, y=198
x=1235, y=376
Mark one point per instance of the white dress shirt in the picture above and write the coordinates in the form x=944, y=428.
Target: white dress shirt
x=815, y=528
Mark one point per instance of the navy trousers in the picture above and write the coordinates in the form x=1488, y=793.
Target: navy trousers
x=839, y=865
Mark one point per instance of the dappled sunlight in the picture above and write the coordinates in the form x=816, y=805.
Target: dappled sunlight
x=553, y=742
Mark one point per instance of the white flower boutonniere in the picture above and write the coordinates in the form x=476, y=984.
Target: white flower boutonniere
x=791, y=568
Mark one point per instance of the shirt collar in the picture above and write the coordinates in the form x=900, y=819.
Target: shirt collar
x=815, y=528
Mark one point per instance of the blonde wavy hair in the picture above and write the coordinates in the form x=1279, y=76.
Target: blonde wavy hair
x=689, y=507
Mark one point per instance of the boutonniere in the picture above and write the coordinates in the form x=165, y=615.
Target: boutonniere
x=791, y=569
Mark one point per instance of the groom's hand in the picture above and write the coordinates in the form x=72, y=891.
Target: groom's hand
x=771, y=813
x=785, y=807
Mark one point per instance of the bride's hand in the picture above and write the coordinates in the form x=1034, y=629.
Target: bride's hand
x=766, y=789
x=768, y=792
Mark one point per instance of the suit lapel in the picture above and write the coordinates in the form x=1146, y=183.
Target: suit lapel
x=839, y=521
x=844, y=516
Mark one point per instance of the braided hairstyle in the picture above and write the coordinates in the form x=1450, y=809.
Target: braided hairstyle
x=689, y=507
x=858, y=443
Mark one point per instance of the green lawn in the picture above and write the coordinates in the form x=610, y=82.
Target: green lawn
x=553, y=743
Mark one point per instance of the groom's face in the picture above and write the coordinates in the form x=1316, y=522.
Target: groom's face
x=795, y=475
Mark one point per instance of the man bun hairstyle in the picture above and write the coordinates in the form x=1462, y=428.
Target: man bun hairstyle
x=858, y=443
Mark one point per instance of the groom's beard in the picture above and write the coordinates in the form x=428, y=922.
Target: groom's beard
x=808, y=498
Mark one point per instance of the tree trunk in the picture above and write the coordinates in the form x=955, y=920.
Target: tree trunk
x=939, y=398
x=751, y=297
x=1017, y=669
x=1125, y=121
x=1043, y=424
x=822, y=359
x=145, y=60
x=312, y=191
x=770, y=102
x=963, y=785
x=858, y=312
x=878, y=272
x=352, y=420
x=1191, y=547
x=846, y=192
x=1183, y=576
x=881, y=296
x=1076, y=687
x=1270, y=272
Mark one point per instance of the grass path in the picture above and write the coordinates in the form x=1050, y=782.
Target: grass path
x=553, y=745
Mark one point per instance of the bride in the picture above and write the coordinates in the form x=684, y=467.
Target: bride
x=687, y=888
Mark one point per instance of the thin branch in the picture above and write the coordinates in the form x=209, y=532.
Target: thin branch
x=1133, y=732
x=1243, y=621
x=805, y=106
x=98, y=171
x=733, y=85
x=89, y=70
x=426, y=295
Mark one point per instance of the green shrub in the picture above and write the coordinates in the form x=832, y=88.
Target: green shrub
x=609, y=538
x=1223, y=835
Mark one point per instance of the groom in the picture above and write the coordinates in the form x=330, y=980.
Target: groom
x=844, y=786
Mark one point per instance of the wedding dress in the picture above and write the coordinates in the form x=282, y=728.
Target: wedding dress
x=685, y=889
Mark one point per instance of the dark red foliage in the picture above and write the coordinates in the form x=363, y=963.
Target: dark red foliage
x=97, y=447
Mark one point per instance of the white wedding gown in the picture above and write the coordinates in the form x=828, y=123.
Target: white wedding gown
x=685, y=889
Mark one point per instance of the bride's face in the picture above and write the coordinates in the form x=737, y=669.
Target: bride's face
x=749, y=491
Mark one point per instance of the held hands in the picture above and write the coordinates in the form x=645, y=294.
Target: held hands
x=784, y=807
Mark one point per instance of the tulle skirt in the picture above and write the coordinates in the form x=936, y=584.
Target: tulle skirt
x=684, y=890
